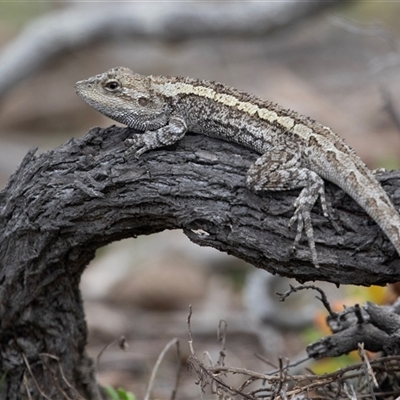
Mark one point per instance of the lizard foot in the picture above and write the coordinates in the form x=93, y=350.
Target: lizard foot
x=302, y=215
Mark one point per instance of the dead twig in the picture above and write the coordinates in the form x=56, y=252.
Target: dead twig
x=351, y=382
x=323, y=298
x=369, y=373
x=76, y=393
x=122, y=343
x=33, y=378
x=172, y=342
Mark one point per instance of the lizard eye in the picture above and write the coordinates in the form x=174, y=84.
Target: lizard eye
x=112, y=86
x=143, y=101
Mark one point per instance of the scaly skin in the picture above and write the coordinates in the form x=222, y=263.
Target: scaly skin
x=296, y=152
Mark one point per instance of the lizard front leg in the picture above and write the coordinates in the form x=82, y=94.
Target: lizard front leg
x=281, y=169
x=164, y=136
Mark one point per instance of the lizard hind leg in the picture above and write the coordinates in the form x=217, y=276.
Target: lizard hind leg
x=281, y=169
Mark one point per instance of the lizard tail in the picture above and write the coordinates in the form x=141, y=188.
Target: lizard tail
x=371, y=196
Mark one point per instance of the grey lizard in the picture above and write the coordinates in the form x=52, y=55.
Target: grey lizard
x=296, y=152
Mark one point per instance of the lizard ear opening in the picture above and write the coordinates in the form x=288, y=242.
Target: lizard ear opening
x=143, y=101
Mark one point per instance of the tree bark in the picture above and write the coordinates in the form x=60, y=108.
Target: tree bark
x=378, y=327
x=61, y=206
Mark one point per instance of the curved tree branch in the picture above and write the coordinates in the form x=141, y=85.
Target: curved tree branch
x=62, y=205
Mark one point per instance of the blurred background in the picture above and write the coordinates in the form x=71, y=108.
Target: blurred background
x=338, y=62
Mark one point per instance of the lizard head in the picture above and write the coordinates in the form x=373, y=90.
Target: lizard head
x=126, y=97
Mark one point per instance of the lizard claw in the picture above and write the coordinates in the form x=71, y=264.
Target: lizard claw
x=135, y=146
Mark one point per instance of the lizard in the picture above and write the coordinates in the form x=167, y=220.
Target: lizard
x=296, y=152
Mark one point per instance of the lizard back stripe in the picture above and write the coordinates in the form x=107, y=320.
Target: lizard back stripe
x=171, y=89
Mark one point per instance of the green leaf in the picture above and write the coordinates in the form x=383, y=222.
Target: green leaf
x=112, y=393
x=124, y=395
x=119, y=394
